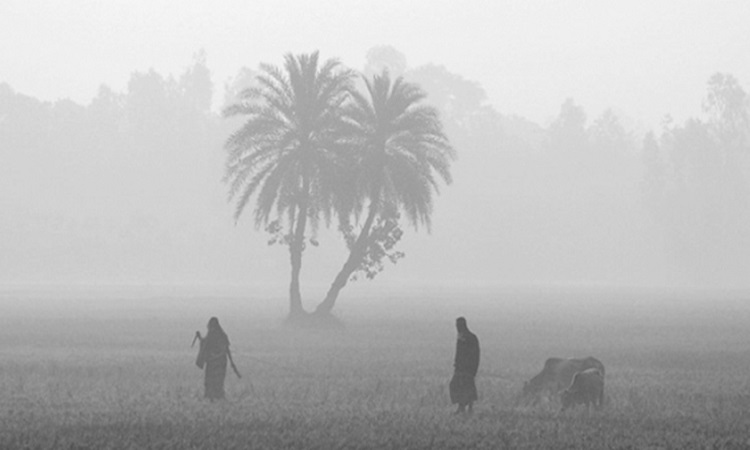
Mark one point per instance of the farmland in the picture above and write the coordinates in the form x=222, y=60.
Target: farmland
x=114, y=369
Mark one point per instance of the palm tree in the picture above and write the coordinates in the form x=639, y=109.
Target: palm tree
x=401, y=153
x=288, y=150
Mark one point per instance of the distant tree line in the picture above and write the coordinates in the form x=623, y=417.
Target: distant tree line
x=696, y=185
x=545, y=198
x=93, y=190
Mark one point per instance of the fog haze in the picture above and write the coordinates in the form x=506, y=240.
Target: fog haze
x=98, y=185
x=644, y=58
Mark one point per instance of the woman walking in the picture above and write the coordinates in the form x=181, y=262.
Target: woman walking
x=213, y=355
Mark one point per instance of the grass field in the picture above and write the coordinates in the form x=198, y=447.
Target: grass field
x=114, y=369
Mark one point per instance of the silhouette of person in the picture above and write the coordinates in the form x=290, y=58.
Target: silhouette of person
x=213, y=355
x=463, y=389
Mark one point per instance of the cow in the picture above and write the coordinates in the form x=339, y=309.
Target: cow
x=557, y=375
x=587, y=388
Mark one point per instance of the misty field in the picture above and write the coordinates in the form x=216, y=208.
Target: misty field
x=114, y=369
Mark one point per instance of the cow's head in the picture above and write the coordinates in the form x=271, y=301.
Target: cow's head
x=534, y=385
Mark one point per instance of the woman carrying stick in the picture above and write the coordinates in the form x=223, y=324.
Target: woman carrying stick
x=213, y=355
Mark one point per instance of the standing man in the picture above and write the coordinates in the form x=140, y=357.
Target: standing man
x=462, y=387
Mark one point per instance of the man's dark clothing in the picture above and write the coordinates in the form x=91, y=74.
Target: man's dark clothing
x=463, y=390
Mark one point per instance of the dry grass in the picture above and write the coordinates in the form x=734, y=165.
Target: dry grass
x=677, y=377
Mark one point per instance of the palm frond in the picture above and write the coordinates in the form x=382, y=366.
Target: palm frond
x=296, y=143
x=403, y=152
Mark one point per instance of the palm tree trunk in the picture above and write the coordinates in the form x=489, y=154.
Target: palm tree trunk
x=295, y=297
x=295, y=252
x=356, y=254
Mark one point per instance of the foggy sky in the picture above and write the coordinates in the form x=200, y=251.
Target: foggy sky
x=645, y=58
